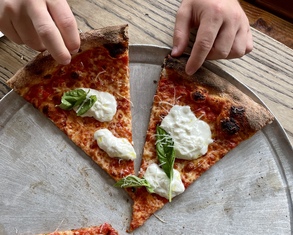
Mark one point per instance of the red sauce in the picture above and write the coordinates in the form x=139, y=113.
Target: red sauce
x=102, y=73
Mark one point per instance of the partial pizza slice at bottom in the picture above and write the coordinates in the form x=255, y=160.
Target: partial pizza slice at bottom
x=88, y=99
x=195, y=121
x=104, y=229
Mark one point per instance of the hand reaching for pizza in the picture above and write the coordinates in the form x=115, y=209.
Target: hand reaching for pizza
x=41, y=24
x=223, y=31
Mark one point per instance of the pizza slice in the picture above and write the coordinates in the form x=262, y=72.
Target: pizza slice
x=89, y=99
x=104, y=229
x=195, y=121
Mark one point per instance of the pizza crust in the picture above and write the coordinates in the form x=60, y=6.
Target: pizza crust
x=43, y=64
x=257, y=115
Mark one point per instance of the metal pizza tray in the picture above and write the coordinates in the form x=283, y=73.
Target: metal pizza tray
x=48, y=184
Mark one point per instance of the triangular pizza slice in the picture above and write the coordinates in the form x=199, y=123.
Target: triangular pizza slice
x=195, y=121
x=89, y=99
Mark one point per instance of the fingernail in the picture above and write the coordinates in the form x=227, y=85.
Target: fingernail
x=74, y=51
x=174, y=50
x=66, y=62
x=189, y=71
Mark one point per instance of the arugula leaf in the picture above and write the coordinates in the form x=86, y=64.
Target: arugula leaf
x=133, y=181
x=77, y=98
x=166, y=154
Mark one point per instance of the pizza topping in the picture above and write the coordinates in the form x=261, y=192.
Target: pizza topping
x=133, y=181
x=77, y=98
x=191, y=136
x=166, y=154
x=113, y=146
x=90, y=103
x=159, y=181
x=103, y=109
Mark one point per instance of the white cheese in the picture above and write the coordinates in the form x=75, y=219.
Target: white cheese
x=160, y=182
x=113, y=146
x=191, y=136
x=104, y=108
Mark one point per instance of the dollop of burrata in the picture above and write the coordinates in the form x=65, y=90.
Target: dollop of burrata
x=115, y=147
x=191, y=135
x=160, y=182
x=104, y=108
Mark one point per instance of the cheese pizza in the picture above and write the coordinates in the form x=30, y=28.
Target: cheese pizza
x=89, y=99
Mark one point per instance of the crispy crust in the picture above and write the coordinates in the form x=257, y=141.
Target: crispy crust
x=257, y=115
x=44, y=62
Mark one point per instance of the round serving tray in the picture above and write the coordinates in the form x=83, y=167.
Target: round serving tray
x=48, y=184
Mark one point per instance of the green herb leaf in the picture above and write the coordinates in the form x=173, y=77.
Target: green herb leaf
x=166, y=154
x=133, y=181
x=72, y=99
x=77, y=98
x=86, y=105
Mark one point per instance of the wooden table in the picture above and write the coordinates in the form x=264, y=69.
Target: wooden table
x=268, y=70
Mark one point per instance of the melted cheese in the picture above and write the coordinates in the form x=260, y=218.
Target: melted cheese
x=159, y=181
x=113, y=146
x=191, y=136
x=104, y=108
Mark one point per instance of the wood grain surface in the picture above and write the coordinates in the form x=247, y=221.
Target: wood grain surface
x=267, y=70
x=282, y=8
x=268, y=23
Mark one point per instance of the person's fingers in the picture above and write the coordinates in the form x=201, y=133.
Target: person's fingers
x=9, y=31
x=181, y=31
x=206, y=34
x=49, y=33
x=249, y=42
x=239, y=45
x=223, y=43
x=26, y=31
x=6, y=12
x=66, y=23
x=242, y=44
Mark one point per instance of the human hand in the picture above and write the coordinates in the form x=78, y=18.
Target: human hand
x=223, y=31
x=41, y=24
